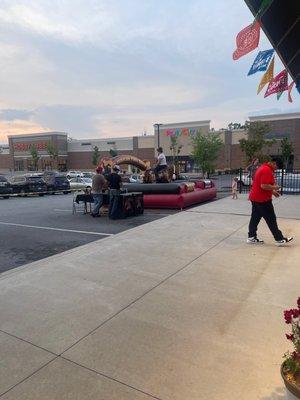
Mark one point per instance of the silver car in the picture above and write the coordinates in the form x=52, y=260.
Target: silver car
x=80, y=183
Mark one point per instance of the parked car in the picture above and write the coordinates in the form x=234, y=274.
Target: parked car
x=73, y=174
x=5, y=187
x=136, y=178
x=290, y=182
x=56, y=182
x=28, y=184
x=81, y=183
x=87, y=174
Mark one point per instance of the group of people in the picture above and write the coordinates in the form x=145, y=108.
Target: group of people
x=112, y=182
x=263, y=188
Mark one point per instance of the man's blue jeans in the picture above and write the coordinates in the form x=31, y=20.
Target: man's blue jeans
x=114, y=195
x=98, y=201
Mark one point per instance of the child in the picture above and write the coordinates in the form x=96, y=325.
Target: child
x=234, y=187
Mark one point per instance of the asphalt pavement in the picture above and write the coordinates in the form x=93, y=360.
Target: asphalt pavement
x=35, y=227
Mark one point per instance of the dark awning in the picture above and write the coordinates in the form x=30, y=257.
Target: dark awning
x=281, y=24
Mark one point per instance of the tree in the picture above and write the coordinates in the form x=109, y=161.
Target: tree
x=113, y=152
x=95, y=155
x=287, y=150
x=205, y=150
x=35, y=156
x=253, y=146
x=52, y=151
x=236, y=125
x=175, y=149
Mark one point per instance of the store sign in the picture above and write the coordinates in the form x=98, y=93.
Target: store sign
x=181, y=132
x=25, y=146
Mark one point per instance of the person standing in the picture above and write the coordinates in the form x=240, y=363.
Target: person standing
x=262, y=190
x=97, y=186
x=161, y=162
x=234, y=188
x=114, y=184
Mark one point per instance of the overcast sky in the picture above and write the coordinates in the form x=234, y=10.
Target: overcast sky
x=100, y=68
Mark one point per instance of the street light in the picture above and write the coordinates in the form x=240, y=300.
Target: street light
x=158, y=132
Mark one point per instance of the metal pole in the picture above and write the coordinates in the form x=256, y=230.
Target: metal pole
x=281, y=188
x=158, y=135
x=240, y=181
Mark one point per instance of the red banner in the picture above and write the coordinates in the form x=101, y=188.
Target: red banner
x=247, y=40
x=278, y=84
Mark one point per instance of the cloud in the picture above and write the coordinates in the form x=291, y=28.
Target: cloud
x=12, y=115
x=115, y=67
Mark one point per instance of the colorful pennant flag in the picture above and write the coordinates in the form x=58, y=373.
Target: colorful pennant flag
x=261, y=61
x=278, y=84
x=279, y=95
x=289, y=92
x=247, y=40
x=267, y=77
x=262, y=8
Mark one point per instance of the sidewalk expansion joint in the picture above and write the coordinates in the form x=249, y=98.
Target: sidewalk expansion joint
x=112, y=379
x=153, y=288
x=28, y=342
x=27, y=377
x=231, y=213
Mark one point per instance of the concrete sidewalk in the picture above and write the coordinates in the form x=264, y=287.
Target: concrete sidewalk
x=178, y=309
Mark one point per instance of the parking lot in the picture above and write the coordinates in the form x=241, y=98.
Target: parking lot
x=32, y=228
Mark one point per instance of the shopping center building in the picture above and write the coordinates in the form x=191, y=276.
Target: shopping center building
x=78, y=154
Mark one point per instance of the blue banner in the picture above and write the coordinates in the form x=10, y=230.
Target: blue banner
x=261, y=62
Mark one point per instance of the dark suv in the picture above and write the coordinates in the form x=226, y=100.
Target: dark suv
x=5, y=187
x=28, y=184
x=56, y=182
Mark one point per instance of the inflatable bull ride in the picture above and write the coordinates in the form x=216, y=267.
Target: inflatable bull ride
x=163, y=192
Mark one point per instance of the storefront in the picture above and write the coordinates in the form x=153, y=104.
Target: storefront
x=40, y=151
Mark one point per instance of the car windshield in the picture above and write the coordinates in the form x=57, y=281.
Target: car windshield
x=61, y=178
x=34, y=178
x=2, y=179
x=87, y=180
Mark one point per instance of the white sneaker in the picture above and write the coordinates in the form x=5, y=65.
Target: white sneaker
x=284, y=241
x=254, y=240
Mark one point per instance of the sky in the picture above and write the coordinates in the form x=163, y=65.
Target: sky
x=112, y=68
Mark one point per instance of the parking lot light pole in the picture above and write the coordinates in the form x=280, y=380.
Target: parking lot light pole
x=158, y=133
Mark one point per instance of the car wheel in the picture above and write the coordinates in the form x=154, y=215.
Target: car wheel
x=89, y=187
x=68, y=177
x=6, y=197
x=41, y=194
x=67, y=192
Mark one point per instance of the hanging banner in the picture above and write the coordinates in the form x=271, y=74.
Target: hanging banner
x=279, y=95
x=289, y=92
x=247, y=40
x=278, y=84
x=261, y=61
x=267, y=77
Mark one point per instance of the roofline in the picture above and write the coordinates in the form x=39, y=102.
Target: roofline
x=183, y=124
x=37, y=134
x=275, y=117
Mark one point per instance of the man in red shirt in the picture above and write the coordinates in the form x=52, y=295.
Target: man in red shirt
x=262, y=190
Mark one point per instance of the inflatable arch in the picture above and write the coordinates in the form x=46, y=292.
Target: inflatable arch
x=124, y=159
